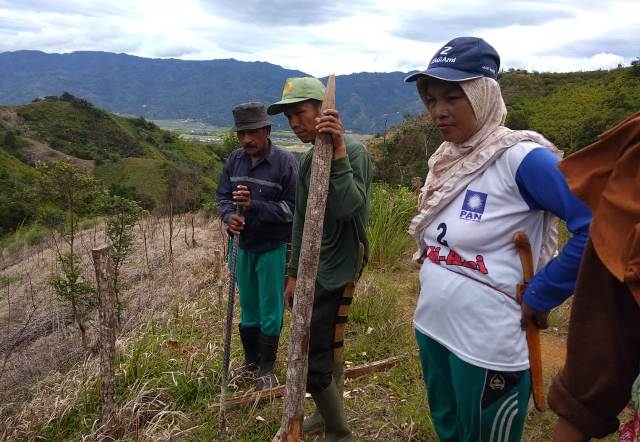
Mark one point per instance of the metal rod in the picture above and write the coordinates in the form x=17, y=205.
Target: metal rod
x=228, y=330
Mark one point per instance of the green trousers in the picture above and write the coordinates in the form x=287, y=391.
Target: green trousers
x=260, y=278
x=470, y=403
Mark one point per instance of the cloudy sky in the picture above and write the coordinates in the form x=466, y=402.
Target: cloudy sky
x=324, y=36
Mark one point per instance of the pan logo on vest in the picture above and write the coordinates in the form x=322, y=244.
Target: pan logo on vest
x=473, y=206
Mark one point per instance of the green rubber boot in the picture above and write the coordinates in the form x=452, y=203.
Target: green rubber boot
x=329, y=403
x=314, y=422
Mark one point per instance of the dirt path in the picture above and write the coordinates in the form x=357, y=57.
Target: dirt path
x=39, y=151
x=554, y=351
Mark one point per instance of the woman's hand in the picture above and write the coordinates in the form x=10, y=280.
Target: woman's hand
x=532, y=316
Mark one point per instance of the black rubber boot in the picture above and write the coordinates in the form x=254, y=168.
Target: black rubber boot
x=329, y=403
x=315, y=422
x=250, y=338
x=268, y=351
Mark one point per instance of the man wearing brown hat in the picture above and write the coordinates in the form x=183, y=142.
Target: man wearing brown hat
x=343, y=238
x=259, y=179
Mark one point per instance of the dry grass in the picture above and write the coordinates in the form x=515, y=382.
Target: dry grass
x=148, y=293
x=169, y=354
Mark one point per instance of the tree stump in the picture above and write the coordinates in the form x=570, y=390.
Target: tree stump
x=108, y=322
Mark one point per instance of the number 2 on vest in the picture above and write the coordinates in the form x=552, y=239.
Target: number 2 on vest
x=440, y=238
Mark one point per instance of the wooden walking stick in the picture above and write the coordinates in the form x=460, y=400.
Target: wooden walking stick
x=293, y=414
x=523, y=246
x=228, y=330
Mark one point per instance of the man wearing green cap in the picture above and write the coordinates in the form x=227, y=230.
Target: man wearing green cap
x=340, y=262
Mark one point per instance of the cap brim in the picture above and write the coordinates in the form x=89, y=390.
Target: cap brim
x=446, y=74
x=251, y=126
x=278, y=106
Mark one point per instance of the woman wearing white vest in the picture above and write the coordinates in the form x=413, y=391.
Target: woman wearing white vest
x=485, y=183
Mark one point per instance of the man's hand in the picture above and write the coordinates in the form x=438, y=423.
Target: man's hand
x=529, y=315
x=289, y=290
x=329, y=123
x=242, y=197
x=236, y=223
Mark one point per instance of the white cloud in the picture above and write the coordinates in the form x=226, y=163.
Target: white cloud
x=331, y=36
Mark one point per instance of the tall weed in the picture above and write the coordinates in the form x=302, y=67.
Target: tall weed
x=392, y=208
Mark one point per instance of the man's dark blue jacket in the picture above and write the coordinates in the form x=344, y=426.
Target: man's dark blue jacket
x=272, y=182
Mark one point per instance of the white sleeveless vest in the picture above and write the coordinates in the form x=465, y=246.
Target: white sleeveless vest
x=468, y=279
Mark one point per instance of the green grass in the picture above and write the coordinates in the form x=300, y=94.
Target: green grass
x=82, y=131
x=142, y=173
x=392, y=207
x=168, y=375
x=28, y=235
x=174, y=367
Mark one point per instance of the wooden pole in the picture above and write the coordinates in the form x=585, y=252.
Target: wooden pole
x=293, y=414
x=108, y=324
x=523, y=246
x=279, y=391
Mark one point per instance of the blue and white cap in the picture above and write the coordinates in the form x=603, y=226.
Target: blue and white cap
x=463, y=58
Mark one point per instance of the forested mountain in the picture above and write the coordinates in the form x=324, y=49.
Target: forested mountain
x=179, y=89
x=369, y=102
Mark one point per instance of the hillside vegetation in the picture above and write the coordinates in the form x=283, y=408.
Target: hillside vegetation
x=130, y=155
x=570, y=109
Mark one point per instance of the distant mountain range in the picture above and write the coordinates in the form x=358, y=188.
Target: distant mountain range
x=200, y=90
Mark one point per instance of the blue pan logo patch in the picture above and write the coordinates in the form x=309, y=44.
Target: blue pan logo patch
x=473, y=206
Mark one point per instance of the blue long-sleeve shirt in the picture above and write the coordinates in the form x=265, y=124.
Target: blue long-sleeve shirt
x=272, y=183
x=543, y=187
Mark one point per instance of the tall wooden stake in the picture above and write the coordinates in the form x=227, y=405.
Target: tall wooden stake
x=108, y=324
x=291, y=427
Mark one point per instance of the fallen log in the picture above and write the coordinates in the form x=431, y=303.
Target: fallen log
x=253, y=397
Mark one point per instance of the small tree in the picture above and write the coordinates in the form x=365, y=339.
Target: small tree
x=70, y=287
x=183, y=193
x=122, y=215
x=67, y=193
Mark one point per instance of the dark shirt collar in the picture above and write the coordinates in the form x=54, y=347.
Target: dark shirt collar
x=267, y=156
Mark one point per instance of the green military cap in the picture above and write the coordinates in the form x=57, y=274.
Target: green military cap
x=297, y=89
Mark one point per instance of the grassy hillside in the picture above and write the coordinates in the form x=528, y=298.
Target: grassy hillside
x=571, y=109
x=16, y=186
x=130, y=155
x=142, y=174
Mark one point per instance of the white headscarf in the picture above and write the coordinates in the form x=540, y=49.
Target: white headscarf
x=454, y=165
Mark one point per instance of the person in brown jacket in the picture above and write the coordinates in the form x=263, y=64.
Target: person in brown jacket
x=603, y=348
